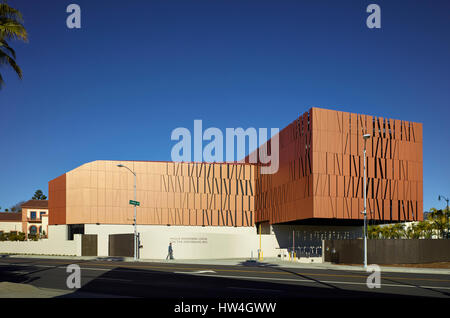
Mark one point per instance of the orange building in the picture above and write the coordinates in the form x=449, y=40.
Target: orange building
x=169, y=193
x=320, y=177
x=319, y=181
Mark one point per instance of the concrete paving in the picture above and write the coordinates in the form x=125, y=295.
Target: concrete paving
x=176, y=279
x=20, y=290
x=16, y=290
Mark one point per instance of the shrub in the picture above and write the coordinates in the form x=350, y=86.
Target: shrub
x=15, y=236
x=33, y=237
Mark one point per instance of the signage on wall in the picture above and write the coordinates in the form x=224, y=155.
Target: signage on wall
x=187, y=240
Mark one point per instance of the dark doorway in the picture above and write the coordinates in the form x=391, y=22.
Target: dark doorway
x=89, y=245
x=74, y=229
x=121, y=245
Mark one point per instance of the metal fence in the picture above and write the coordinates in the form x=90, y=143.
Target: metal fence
x=394, y=251
x=89, y=245
x=308, y=243
x=121, y=245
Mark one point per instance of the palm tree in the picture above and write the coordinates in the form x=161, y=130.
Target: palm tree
x=374, y=231
x=11, y=28
x=413, y=231
x=386, y=232
x=425, y=228
x=439, y=219
x=397, y=230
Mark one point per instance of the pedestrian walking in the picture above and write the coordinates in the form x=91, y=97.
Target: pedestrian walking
x=170, y=254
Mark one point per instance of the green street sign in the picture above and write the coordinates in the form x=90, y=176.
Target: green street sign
x=134, y=203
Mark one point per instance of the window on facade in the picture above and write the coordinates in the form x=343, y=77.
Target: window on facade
x=33, y=215
x=33, y=229
x=40, y=230
x=42, y=213
x=74, y=229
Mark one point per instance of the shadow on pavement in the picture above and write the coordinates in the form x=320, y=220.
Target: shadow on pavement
x=419, y=286
x=128, y=281
x=131, y=282
x=25, y=272
x=281, y=269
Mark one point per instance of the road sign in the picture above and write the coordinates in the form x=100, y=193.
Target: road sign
x=135, y=203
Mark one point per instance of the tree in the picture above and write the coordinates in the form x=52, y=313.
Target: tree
x=426, y=229
x=17, y=207
x=412, y=231
x=439, y=219
x=386, y=232
x=397, y=230
x=39, y=195
x=11, y=28
x=374, y=231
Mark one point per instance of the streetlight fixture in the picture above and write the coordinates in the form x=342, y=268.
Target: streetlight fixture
x=448, y=221
x=365, y=137
x=135, y=230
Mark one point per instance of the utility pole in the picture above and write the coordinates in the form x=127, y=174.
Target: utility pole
x=447, y=214
x=260, y=250
x=293, y=244
x=365, y=137
x=134, y=219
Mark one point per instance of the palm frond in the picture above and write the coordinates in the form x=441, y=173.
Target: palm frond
x=9, y=12
x=5, y=46
x=8, y=60
x=12, y=30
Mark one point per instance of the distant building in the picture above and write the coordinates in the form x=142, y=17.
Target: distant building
x=32, y=220
x=35, y=217
x=10, y=222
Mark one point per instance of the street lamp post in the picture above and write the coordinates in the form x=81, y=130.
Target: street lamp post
x=366, y=136
x=134, y=220
x=448, y=221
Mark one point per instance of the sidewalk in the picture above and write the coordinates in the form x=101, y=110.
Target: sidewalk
x=15, y=290
x=245, y=262
x=20, y=290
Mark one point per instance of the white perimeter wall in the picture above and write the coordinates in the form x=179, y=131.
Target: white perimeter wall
x=56, y=244
x=189, y=242
x=11, y=226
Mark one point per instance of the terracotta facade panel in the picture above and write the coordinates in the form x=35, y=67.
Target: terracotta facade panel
x=394, y=169
x=57, y=200
x=320, y=176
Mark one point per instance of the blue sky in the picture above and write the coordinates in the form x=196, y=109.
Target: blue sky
x=117, y=87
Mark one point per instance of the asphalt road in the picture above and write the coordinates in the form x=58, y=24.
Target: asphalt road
x=248, y=280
